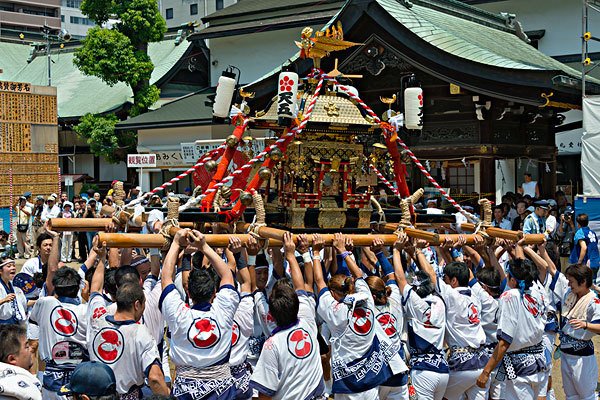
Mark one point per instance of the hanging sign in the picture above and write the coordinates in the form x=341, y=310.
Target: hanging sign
x=141, y=160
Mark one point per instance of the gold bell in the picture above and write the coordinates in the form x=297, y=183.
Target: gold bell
x=232, y=141
x=246, y=198
x=276, y=154
x=264, y=173
x=210, y=165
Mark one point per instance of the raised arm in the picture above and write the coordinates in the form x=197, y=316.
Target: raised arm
x=317, y=268
x=53, y=260
x=290, y=248
x=180, y=241
x=304, y=250
x=215, y=260
x=98, y=279
x=241, y=263
x=400, y=245
x=422, y=260
x=341, y=243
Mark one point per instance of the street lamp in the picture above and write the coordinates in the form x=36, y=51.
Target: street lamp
x=38, y=48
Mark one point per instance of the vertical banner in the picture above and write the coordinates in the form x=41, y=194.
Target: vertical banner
x=590, y=146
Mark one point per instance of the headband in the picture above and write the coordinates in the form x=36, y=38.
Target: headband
x=140, y=262
x=6, y=262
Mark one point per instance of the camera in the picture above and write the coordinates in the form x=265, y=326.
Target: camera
x=569, y=213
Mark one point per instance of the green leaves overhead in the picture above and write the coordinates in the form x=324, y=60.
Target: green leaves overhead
x=118, y=55
x=109, y=55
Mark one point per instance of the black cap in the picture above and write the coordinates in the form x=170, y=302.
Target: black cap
x=542, y=204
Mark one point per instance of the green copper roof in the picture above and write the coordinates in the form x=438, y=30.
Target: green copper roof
x=472, y=34
x=79, y=94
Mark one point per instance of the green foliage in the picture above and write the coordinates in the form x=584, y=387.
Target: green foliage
x=89, y=186
x=143, y=99
x=118, y=55
x=99, y=131
x=109, y=55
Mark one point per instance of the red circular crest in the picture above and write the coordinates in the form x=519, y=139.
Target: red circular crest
x=473, y=315
x=108, y=345
x=300, y=344
x=285, y=84
x=204, y=333
x=235, y=335
x=361, y=322
x=63, y=321
x=531, y=305
x=388, y=323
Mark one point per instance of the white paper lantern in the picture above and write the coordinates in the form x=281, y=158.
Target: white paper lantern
x=224, y=96
x=413, y=108
x=287, y=95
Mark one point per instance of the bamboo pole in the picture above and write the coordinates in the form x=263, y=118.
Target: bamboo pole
x=99, y=224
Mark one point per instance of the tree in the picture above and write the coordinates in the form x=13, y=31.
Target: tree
x=118, y=55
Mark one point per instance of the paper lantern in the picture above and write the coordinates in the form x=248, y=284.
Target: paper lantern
x=413, y=108
x=287, y=95
x=224, y=96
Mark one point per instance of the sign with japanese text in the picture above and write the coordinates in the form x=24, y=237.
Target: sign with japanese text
x=19, y=87
x=141, y=160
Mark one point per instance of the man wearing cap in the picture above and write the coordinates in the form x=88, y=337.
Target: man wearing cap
x=51, y=210
x=91, y=380
x=536, y=221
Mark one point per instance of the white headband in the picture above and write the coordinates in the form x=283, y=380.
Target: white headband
x=6, y=262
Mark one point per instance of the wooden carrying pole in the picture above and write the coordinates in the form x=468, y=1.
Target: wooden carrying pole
x=95, y=224
x=515, y=236
x=157, y=241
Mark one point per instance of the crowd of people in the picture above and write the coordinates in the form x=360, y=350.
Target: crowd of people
x=303, y=321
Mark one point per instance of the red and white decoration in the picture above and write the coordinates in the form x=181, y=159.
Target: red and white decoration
x=287, y=95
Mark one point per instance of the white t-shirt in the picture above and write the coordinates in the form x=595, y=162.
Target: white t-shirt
x=576, y=341
x=18, y=383
x=289, y=366
x=359, y=345
x=243, y=328
x=125, y=346
x=14, y=309
x=59, y=322
x=522, y=319
x=425, y=324
x=201, y=335
x=463, y=321
x=489, y=311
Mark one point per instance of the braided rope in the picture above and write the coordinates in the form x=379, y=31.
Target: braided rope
x=414, y=158
x=279, y=143
x=382, y=179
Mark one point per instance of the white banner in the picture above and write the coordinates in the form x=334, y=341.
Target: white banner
x=141, y=160
x=590, y=146
x=569, y=142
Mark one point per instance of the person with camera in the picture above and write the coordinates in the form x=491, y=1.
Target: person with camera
x=565, y=234
x=23, y=219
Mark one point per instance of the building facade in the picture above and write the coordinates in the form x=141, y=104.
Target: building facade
x=180, y=12
x=73, y=20
x=28, y=17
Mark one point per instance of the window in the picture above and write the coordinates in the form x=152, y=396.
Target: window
x=81, y=21
x=219, y=4
x=62, y=18
x=193, y=9
x=461, y=179
x=73, y=3
x=169, y=13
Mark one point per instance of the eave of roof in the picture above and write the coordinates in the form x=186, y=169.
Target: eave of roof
x=79, y=94
x=189, y=110
x=267, y=19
